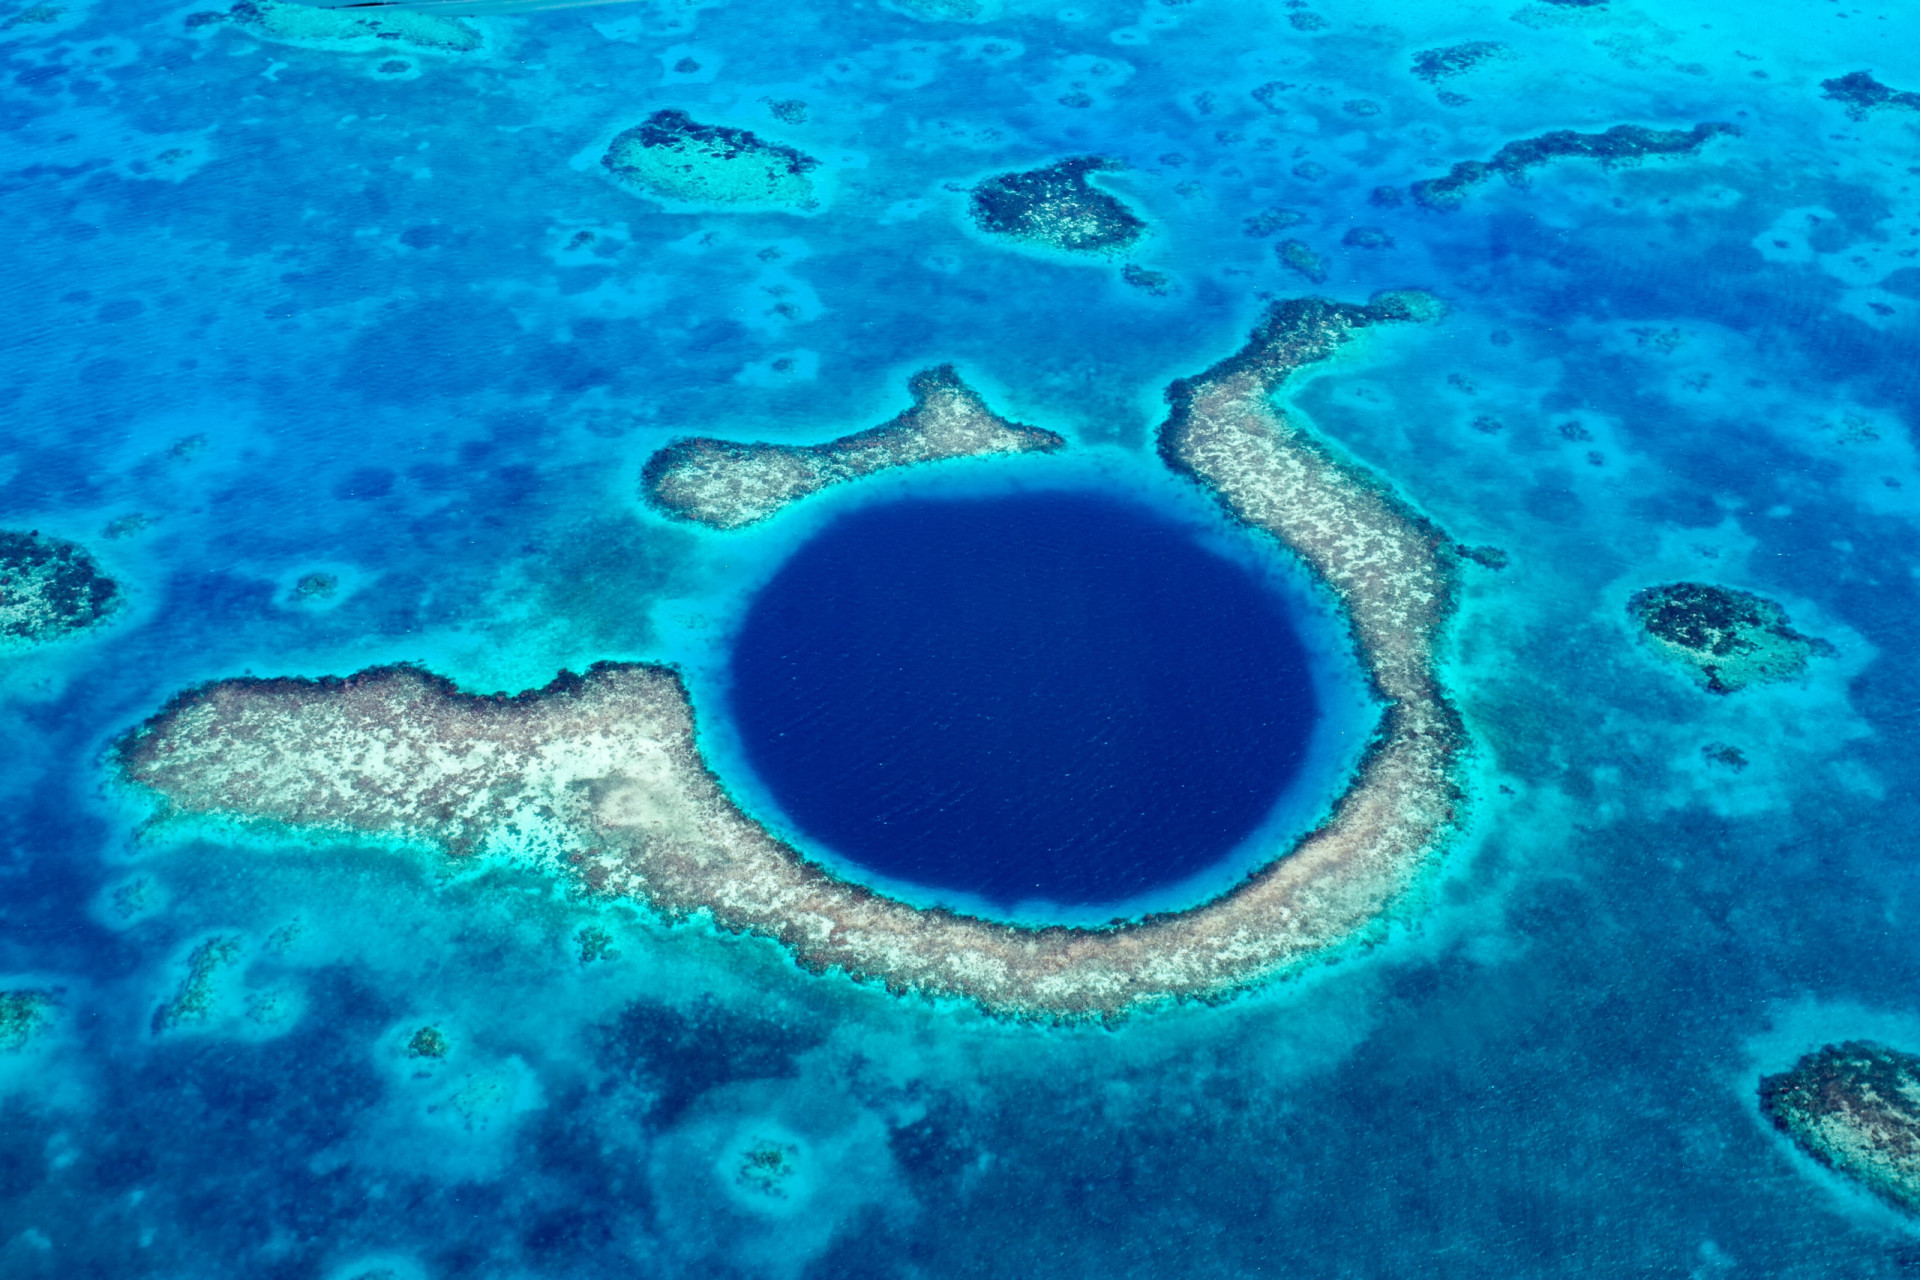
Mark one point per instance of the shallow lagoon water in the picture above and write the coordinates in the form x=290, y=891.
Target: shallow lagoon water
x=306, y=315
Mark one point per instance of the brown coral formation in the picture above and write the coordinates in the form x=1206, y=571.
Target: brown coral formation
x=599, y=778
x=1854, y=1107
x=729, y=485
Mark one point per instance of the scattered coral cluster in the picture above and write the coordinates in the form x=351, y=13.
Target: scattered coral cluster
x=599, y=778
x=728, y=485
x=23, y=1016
x=1726, y=639
x=293, y=23
x=1057, y=208
x=1622, y=144
x=1862, y=94
x=1854, y=1107
x=49, y=588
x=672, y=157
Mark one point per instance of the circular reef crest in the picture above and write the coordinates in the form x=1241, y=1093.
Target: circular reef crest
x=598, y=776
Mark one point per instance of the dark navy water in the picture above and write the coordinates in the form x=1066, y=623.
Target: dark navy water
x=1061, y=696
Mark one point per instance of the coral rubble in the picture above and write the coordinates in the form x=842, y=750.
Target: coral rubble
x=1854, y=1107
x=1726, y=639
x=293, y=23
x=1056, y=208
x=672, y=157
x=1622, y=144
x=599, y=779
x=49, y=588
x=728, y=485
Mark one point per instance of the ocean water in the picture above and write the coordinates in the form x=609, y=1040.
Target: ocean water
x=1050, y=696
x=317, y=318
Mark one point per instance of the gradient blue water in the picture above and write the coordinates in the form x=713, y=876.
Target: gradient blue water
x=356, y=291
x=1050, y=695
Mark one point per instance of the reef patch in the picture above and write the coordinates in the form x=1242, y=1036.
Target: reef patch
x=1621, y=145
x=598, y=778
x=673, y=158
x=1855, y=1108
x=1861, y=94
x=49, y=588
x=1725, y=639
x=1057, y=208
x=24, y=1015
x=728, y=485
x=381, y=28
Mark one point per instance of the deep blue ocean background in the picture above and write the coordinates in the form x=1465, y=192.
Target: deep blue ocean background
x=304, y=316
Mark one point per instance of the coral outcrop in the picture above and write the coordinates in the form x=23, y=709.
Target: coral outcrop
x=671, y=157
x=1725, y=639
x=728, y=485
x=1623, y=144
x=1057, y=208
x=49, y=588
x=1854, y=1107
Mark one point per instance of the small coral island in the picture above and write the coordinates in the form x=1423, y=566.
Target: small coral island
x=1622, y=144
x=671, y=157
x=49, y=588
x=1725, y=639
x=287, y=22
x=727, y=485
x=599, y=777
x=1057, y=208
x=1854, y=1107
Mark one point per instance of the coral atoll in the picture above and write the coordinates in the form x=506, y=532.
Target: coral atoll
x=671, y=157
x=293, y=23
x=728, y=485
x=599, y=779
x=1056, y=208
x=1622, y=144
x=1725, y=639
x=1854, y=1107
x=49, y=588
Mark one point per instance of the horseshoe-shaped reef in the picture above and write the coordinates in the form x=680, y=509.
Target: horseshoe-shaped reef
x=599, y=778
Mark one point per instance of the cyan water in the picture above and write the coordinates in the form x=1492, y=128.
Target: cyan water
x=307, y=317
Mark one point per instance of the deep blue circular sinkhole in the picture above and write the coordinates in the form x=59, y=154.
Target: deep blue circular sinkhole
x=1057, y=696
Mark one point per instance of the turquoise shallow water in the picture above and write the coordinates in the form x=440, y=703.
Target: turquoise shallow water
x=308, y=316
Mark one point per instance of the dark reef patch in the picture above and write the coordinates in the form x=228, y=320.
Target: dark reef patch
x=1623, y=144
x=1057, y=208
x=1726, y=639
x=49, y=588
x=1435, y=65
x=1855, y=1108
x=1862, y=93
x=673, y=157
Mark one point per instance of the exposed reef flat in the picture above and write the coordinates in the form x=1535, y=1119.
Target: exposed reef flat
x=672, y=157
x=1725, y=639
x=1862, y=93
x=1854, y=1107
x=598, y=777
x=1057, y=208
x=729, y=485
x=383, y=28
x=1622, y=144
x=49, y=588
